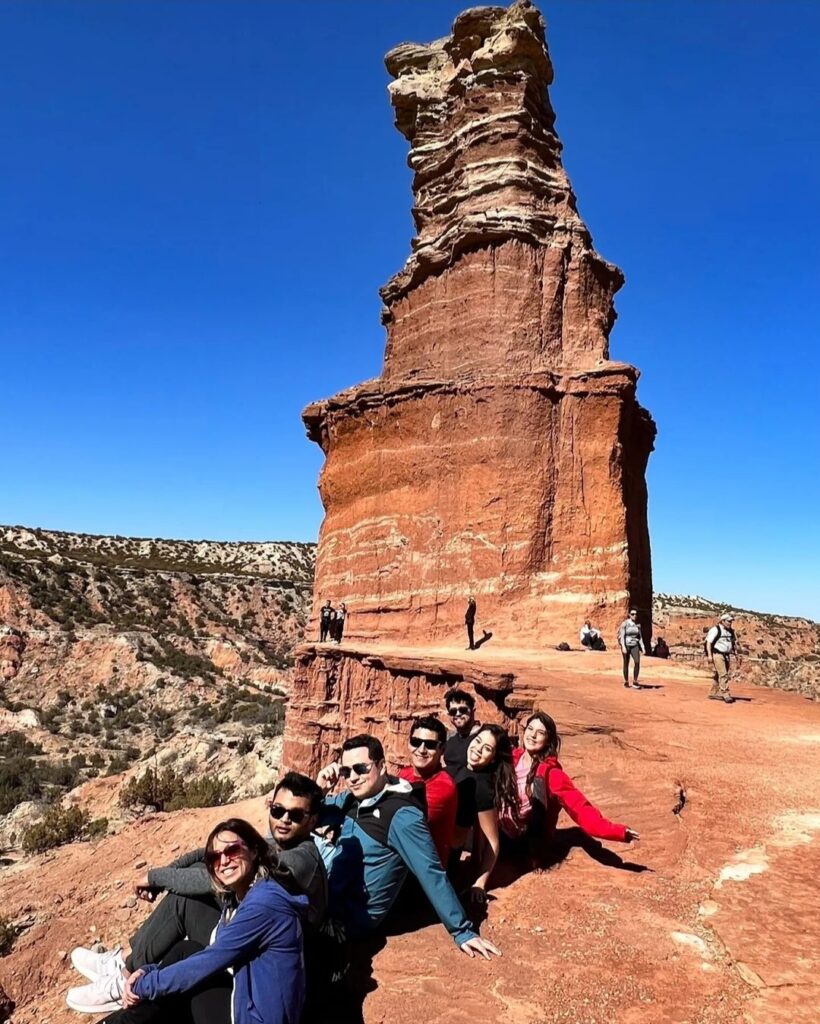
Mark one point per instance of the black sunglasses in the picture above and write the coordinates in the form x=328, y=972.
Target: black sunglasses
x=458, y=709
x=296, y=814
x=417, y=741
x=359, y=769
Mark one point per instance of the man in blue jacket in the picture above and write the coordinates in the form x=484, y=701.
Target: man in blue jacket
x=382, y=834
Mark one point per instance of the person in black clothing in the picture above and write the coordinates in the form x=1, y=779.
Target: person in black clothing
x=325, y=614
x=461, y=712
x=469, y=622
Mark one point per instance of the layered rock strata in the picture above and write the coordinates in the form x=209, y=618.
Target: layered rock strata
x=501, y=452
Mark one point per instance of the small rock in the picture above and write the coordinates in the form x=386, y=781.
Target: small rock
x=61, y=954
x=175, y=847
x=140, y=864
x=130, y=903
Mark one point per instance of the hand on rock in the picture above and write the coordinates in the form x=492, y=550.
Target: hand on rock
x=479, y=947
x=632, y=836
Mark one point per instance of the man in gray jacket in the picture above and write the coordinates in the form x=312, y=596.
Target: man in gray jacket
x=190, y=909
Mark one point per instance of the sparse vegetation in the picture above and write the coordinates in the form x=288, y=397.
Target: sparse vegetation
x=59, y=826
x=169, y=790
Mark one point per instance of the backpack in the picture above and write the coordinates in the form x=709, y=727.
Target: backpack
x=721, y=631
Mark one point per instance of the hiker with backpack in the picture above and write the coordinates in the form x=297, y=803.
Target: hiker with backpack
x=720, y=646
x=544, y=790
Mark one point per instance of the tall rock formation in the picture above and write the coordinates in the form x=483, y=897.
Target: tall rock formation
x=501, y=453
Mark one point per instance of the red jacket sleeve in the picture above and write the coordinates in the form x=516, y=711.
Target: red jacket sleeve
x=581, y=810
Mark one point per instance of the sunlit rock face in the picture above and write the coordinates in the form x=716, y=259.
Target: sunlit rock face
x=501, y=453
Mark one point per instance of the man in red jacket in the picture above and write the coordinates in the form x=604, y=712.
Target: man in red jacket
x=427, y=738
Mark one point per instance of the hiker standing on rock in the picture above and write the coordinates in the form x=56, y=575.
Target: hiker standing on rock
x=469, y=622
x=339, y=625
x=720, y=645
x=325, y=613
x=630, y=640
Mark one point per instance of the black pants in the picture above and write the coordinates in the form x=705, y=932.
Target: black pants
x=470, y=634
x=635, y=654
x=208, y=1003
x=338, y=630
x=323, y=632
x=175, y=918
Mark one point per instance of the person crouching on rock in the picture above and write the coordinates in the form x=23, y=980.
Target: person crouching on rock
x=486, y=792
x=544, y=789
x=259, y=937
x=591, y=638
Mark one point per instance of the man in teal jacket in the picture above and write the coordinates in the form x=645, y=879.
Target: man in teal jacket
x=382, y=833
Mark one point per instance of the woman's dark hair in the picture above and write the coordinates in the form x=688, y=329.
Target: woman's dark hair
x=431, y=724
x=265, y=860
x=551, y=747
x=506, y=791
x=374, y=746
x=453, y=695
x=301, y=785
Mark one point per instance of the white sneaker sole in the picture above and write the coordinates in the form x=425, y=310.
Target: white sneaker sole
x=81, y=1007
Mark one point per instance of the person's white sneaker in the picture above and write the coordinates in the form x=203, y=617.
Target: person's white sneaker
x=100, y=996
x=97, y=965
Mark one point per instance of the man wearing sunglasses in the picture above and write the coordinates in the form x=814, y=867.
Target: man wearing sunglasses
x=190, y=909
x=461, y=712
x=427, y=739
x=382, y=836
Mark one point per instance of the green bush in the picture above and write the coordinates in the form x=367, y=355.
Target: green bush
x=97, y=828
x=171, y=791
x=60, y=825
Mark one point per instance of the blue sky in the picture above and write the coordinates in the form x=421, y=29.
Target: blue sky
x=200, y=201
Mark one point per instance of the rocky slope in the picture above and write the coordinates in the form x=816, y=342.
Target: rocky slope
x=121, y=652
x=709, y=919
x=776, y=650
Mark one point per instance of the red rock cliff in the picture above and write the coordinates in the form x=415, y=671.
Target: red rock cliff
x=501, y=453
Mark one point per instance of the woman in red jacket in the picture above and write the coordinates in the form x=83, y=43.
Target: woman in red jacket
x=544, y=789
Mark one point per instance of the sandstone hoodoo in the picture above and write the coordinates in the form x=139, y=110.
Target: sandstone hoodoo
x=501, y=452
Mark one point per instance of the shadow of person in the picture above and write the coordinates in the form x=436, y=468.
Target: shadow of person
x=487, y=636
x=649, y=686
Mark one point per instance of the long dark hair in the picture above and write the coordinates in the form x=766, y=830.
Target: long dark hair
x=551, y=747
x=265, y=859
x=506, y=791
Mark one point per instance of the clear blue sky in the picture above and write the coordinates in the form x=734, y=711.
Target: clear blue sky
x=200, y=200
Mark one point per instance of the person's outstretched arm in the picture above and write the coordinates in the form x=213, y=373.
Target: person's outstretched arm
x=582, y=812
x=185, y=876
x=410, y=837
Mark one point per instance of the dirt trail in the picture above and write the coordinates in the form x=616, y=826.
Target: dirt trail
x=713, y=918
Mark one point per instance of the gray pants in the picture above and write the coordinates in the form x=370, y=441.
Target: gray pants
x=175, y=918
x=635, y=654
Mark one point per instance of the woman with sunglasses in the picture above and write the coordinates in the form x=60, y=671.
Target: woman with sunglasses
x=259, y=936
x=486, y=789
x=544, y=789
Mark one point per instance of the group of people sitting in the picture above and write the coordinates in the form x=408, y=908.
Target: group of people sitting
x=332, y=622
x=267, y=930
